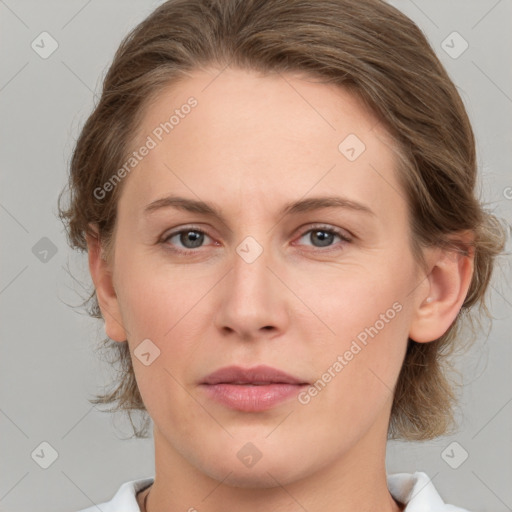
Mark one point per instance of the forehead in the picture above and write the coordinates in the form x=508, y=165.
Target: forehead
x=268, y=137
x=239, y=102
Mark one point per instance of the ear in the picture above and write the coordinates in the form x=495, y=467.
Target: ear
x=102, y=274
x=440, y=299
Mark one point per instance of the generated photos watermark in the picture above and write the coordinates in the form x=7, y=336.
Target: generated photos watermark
x=357, y=345
x=151, y=142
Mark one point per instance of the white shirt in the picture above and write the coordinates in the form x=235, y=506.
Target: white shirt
x=415, y=490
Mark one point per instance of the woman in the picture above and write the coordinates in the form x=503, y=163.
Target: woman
x=277, y=199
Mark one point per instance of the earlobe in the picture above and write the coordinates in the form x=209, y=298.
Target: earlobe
x=448, y=284
x=101, y=275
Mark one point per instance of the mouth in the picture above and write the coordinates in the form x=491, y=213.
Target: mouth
x=251, y=389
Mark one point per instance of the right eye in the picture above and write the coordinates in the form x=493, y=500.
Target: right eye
x=185, y=240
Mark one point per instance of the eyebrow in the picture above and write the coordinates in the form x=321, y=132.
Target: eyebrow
x=300, y=206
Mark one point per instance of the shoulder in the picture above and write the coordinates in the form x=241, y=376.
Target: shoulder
x=418, y=493
x=124, y=500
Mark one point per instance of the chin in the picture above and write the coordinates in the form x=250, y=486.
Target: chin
x=248, y=480
x=268, y=472
x=263, y=478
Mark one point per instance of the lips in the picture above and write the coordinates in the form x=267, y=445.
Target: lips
x=257, y=376
x=251, y=389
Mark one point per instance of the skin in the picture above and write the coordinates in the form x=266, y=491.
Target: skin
x=253, y=144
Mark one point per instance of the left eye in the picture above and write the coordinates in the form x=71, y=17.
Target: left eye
x=320, y=237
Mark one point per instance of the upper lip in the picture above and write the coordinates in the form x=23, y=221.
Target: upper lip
x=256, y=375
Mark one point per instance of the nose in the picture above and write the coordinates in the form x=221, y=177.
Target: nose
x=252, y=301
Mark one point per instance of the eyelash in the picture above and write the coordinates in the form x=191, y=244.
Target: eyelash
x=320, y=227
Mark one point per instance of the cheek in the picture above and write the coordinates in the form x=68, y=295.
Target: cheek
x=364, y=325
x=164, y=305
x=350, y=297
x=160, y=309
x=155, y=298
x=355, y=377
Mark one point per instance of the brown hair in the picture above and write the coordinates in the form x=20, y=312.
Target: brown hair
x=367, y=46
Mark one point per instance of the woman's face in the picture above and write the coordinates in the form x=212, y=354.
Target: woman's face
x=293, y=253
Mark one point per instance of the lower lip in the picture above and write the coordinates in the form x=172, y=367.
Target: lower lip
x=250, y=398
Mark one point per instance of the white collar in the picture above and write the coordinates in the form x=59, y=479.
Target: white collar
x=417, y=491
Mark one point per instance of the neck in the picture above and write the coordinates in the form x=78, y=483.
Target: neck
x=356, y=481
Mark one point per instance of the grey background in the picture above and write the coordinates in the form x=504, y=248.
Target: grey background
x=48, y=367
